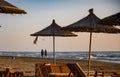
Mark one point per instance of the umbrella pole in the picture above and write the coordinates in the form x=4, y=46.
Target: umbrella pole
x=89, y=60
x=54, y=58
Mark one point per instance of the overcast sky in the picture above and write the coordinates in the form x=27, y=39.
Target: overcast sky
x=16, y=29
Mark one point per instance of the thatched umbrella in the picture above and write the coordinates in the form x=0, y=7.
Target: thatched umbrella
x=8, y=8
x=111, y=20
x=53, y=30
x=90, y=24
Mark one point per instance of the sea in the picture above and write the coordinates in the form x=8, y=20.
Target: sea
x=107, y=56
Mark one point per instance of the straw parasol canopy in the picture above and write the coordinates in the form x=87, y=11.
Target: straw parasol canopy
x=90, y=24
x=111, y=20
x=53, y=30
x=8, y=8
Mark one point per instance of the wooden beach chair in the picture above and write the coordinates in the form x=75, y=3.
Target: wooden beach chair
x=76, y=70
x=43, y=70
x=9, y=73
x=112, y=73
x=51, y=70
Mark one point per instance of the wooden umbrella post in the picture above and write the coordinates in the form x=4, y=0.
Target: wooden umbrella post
x=53, y=31
x=89, y=60
x=54, y=58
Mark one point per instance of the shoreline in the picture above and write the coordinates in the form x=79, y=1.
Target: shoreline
x=27, y=64
x=108, y=56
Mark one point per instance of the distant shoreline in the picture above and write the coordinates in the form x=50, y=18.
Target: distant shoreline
x=109, y=56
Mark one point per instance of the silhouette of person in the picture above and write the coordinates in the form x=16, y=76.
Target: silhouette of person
x=45, y=53
x=42, y=53
x=13, y=57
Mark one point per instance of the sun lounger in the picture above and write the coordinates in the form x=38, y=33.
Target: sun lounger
x=76, y=70
x=113, y=73
x=51, y=70
x=9, y=73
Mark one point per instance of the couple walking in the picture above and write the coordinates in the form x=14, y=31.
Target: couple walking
x=44, y=53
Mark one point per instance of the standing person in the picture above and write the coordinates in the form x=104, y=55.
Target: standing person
x=42, y=53
x=45, y=53
x=13, y=57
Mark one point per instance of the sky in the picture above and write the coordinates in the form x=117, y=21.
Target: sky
x=16, y=29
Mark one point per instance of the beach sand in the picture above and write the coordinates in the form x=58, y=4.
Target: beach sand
x=27, y=64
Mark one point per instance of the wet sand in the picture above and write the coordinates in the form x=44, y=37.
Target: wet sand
x=27, y=64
